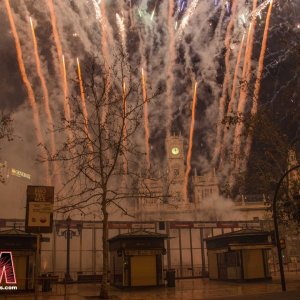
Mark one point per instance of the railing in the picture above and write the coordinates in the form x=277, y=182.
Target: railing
x=49, y=286
x=182, y=272
x=288, y=267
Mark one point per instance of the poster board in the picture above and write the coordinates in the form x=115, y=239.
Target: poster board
x=39, y=209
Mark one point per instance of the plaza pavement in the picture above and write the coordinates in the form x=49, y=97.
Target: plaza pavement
x=186, y=289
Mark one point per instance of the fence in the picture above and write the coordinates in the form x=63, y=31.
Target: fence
x=186, y=247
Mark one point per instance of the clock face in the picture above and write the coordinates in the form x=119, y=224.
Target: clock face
x=175, y=150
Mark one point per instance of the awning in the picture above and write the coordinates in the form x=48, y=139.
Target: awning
x=250, y=247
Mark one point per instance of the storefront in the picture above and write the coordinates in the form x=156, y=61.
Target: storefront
x=22, y=247
x=136, y=259
x=239, y=255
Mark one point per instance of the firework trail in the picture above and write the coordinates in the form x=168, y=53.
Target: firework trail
x=259, y=74
x=220, y=22
x=170, y=65
x=189, y=154
x=232, y=102
x=153, y=12
x=62, y=65
x=186, y=18
x=120, y=22
x=125, y=162
x=246, y=76
x=225, y=82
x=259, y=9
x=96, y=4
x=246, y=52
x=146, y=125
x=46, y=100
x=99, y=17
x=124, y=100
x=130, y=14
x=83, y=103
x=248, y=58
x=106, y=34
x=66, y=91
x=261, y=61
x=106, y=37
x=31, y=96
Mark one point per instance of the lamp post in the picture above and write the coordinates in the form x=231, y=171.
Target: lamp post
x=68, y=234
x=277, y=239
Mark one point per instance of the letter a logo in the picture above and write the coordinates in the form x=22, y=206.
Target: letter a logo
x=7, y=268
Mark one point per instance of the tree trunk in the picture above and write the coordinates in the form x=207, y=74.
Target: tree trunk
x=104, y=294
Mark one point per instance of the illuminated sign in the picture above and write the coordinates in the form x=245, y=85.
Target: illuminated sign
x=7, y=268
x=39, y=209
x=19, y=173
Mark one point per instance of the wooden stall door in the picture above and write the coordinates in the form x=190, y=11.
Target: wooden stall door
x=20, y=269
x=222, y=266
x=143, y=270
x=253, y=264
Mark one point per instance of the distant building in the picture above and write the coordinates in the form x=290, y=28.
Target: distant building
x=167, y=192
x=205, y=186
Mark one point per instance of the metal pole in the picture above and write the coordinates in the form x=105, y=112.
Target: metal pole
x=68, y=236
x=68, y=254
x=168, y=246
x=277, y=239
x=37, y=266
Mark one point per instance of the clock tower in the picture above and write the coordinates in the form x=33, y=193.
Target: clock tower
x=175, y=164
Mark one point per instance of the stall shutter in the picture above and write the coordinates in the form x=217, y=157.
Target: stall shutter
x=143, y=270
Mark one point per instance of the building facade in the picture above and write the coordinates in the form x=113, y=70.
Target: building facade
x=167, y=201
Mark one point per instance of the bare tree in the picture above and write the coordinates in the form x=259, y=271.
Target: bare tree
x=101, y=153
x=6, y=133
x=6, y=129
x=269, y=159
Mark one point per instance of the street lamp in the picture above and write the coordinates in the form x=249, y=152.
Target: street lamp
x=277, y=239
x=68, y=234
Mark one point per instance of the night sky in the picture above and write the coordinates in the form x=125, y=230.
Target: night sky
x=175, y=48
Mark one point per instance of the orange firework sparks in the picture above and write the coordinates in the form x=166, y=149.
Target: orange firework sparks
x=46, y=99
x=125, y=125
x=31, y=96
x=146, y=124
x=244, y=88
x=124, y=99
x=247, y=63
x=261, y=61
x=225, y=83
x=170, y=64
x=241, y=104
x=259, y=75
x=61, y=60
x=189, y=154
x=106, y=38
x=83, y=104
x=106, y=35
x=232, y=104
x=55, y=31
x=246, y=53
x=66, y=102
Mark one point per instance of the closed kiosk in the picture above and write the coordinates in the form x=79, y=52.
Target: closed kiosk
x=136, y=259
x=240, y=255
x=22, y=248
